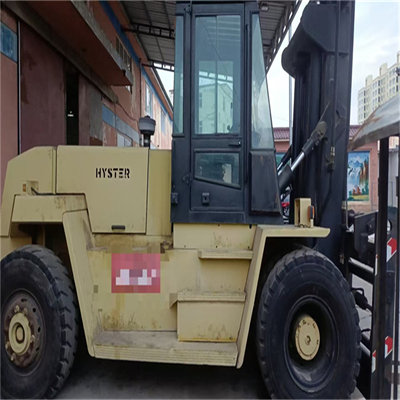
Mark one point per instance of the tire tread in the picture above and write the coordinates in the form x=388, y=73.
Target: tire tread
x=64, y=291
x=284, y=266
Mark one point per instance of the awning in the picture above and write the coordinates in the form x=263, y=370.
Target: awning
x=154, y=24
x=74, y=23
x=382, y=123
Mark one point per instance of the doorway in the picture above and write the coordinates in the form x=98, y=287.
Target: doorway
x=72, y=105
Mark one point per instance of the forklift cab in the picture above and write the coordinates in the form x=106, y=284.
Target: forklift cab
x=223, y=155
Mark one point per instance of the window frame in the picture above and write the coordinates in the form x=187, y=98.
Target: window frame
x=125, y=57
x=179, y=126
x=125, y=139
x=163, y=122
x=148, y=96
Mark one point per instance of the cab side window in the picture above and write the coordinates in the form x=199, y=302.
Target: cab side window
x=217, y=74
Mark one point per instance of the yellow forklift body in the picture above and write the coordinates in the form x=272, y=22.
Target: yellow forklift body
x=200, y=280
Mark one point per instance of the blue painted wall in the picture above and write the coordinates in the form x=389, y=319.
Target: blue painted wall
x=121, y=126
x=8, y=43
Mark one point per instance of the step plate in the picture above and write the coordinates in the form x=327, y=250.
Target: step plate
x=162, y=347
x=225, y=254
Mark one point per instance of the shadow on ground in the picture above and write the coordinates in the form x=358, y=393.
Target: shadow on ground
x=93, y=378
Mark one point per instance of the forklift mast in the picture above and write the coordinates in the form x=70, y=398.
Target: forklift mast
x=319, y=58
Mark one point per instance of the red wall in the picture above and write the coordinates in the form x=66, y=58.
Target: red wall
x=128, y=107
x=42, y=93
x=9, y=105
x=131, y=106
x=281, y=146
x=109, y=135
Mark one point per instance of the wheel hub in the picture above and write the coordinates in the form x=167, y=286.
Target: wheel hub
x=19, y=334
x=22, y=329
x=307, y=337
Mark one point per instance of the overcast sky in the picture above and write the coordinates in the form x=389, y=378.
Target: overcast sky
x=376, y=41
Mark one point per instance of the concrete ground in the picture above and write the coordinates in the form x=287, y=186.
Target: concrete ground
x=104, y=379
x=101, y=379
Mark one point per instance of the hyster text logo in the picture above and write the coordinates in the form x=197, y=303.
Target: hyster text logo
x=122, y=173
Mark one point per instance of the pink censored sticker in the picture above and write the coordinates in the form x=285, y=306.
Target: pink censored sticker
x=135, y=273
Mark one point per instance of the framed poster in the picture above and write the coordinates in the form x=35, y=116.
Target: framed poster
x=358, y=176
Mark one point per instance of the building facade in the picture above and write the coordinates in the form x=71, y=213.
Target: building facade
x=378, y=90
x=362, y=171
x=71, y=74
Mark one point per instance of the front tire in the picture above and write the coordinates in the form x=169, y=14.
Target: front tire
x=38, y=323
x=308, y=337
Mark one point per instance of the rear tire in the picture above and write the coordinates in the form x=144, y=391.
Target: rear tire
x=308, y=337
x=38, y=323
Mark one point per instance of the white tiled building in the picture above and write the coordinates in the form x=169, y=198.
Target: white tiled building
x=379, y=90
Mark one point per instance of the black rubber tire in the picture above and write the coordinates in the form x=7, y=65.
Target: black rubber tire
x=39, y=272
x=300, y=277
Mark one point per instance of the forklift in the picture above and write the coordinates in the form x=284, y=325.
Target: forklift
x=183, y=256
